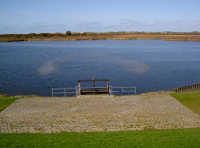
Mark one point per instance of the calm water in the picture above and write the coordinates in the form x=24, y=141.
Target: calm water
x=35, y=67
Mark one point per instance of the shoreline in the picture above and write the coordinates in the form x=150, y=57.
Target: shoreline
x=174, y=37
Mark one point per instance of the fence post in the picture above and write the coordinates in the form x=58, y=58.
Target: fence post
x=135, y=90
x=79, y=88
x=52, y=92
x=65, y=92
x=110, y=90
x=77, y=91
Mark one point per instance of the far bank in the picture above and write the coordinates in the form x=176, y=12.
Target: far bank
x=100, y=36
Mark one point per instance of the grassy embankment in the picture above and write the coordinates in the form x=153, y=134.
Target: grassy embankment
x=189, y=99
x=183, y=138
x=6, y=101
x=173, y=36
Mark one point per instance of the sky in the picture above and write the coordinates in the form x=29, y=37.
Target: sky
x=28, y=16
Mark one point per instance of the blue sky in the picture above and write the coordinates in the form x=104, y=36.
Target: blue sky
x=25, y=16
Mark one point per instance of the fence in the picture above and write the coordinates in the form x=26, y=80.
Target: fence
x=188, y=88
x=93, y=90
x=123, y=90
x=63, y=91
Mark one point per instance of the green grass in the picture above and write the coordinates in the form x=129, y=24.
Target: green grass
x=6, y=101
x=182, y=138
x=189, y=99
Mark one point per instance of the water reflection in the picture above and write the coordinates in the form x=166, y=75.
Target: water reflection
x=131, y=65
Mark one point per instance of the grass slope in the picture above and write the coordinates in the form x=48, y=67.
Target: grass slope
x=6, y=101
x=189, y=99
x=183, y=138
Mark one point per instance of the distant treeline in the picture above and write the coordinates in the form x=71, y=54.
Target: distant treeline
x=68, y=33
x=173, y=36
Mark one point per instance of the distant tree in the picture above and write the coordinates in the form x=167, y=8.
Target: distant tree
x=58, y=34
x=195, y=32
x=68, y=33
x=30, y=35
x=45, y=34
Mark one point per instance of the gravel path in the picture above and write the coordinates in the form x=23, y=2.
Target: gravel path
x=96, y=113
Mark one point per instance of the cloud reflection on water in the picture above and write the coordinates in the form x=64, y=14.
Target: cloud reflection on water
x=130, y=65
x=134, y=66
x=47, y=68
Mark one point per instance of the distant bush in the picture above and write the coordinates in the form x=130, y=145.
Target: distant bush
x=68, y=33
x=45, y=34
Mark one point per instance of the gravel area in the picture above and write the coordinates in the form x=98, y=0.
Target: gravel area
x=96, y=113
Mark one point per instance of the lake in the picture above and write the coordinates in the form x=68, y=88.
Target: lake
x=150, y=65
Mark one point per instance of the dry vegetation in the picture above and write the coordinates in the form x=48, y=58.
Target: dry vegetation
x=172, y=36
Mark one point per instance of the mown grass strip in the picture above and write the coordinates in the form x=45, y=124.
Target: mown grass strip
x=189, y=99
x=182, y=138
